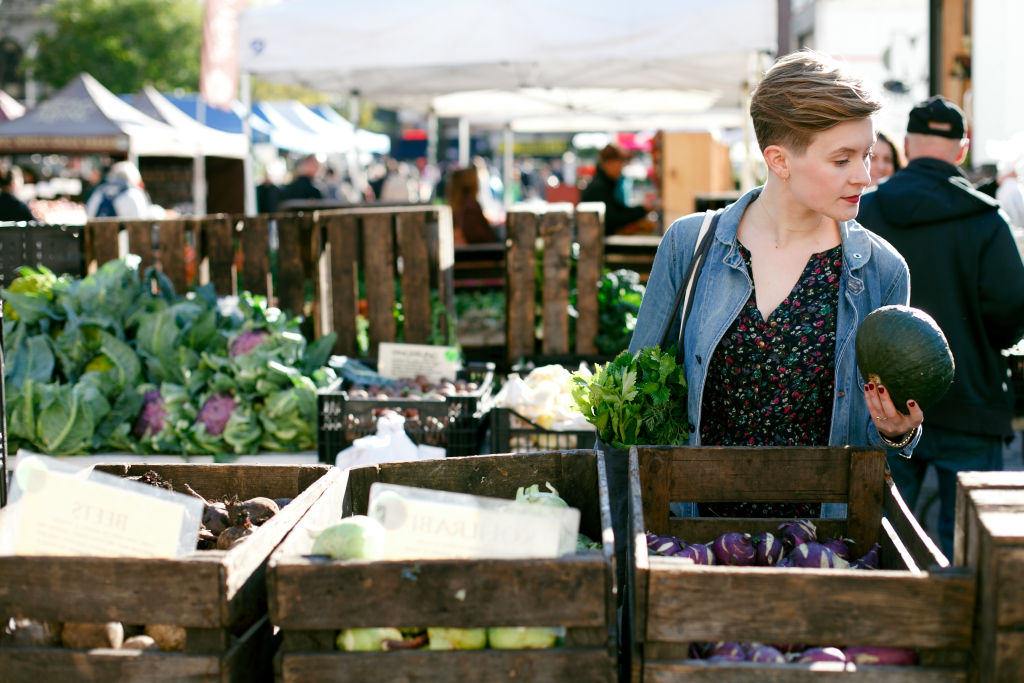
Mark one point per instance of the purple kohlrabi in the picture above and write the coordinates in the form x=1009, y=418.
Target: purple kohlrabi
x=822, y=654
x=215, y=413
x=152, y=417
x=728, y=651
x=815, y=555
x=767, y=549
x=891, y=656
x=665, y=544
x=869, y=560
x=244, y=343
x=764, y=654
x=698, y=553
x=734, y=548
x=840, y=546
x=796, y=532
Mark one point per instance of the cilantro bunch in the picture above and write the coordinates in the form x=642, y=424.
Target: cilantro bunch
x=635, y=399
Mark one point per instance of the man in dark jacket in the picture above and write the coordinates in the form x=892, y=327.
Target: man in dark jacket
x=606, y=186
x=305, y=185
x=966, y=272
x=12, y=208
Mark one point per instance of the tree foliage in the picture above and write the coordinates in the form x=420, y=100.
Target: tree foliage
x=124, y=44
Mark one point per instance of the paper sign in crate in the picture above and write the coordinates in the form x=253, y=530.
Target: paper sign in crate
x=312, y=598
x=459, y=416
x=916, y=600
x=990, y=540
x=218, y=596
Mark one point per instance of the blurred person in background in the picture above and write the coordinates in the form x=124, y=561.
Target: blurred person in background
x=885, y=159
x=122, y=195
x=606, y=186
x=468, y=220
x=12, y=208
x=400, y=184
x=1010, y=193
x=306, y=184
x=967, y=274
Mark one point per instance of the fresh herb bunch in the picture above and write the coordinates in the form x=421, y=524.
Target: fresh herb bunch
x=636, y=399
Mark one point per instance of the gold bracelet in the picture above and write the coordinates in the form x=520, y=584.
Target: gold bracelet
x=898, y=444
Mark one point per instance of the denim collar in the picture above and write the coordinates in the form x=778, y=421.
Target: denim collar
x=853, y=236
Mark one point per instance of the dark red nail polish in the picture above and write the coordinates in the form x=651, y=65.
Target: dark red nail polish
x=881, y=390
x=911, y=404
x=871, y=386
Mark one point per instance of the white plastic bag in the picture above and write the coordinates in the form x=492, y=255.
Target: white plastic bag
x=389, y=444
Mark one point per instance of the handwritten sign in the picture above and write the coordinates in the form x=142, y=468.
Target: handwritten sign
x=428, y=524
x=405, y=361
x=57, y=511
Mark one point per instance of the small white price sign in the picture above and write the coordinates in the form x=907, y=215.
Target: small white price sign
x=405, y=361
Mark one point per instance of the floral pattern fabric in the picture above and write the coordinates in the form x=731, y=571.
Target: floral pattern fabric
x=770, y=382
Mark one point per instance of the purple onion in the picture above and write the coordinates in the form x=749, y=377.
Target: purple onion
x=891, y=656
x=734, y=548
x=698, y=553
x=727, y=650
x=767, y=549
x=796, y=532
x=822, y=654
x=869, y=560
x=765, y=654
x=840, y=546
x=816, y=556
x=666, y=545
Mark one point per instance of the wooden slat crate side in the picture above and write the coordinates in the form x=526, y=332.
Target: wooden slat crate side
x=590, y=235
x=140, y=242
x=414, y=239
x=1009, y=657
x=171, y=238
x=254, y=244
x=343, y=245
x=749, y=672
x=557, y=240
x=761, y=475
x=557, y=665
x=379, y=276
x=1010, y=592
x=319, y=258
x=218, y=480
x=995, y=551
x=100, y=238
x=217, y=254
x=441, y=217
x=866, y=489
x=520, y=283
x=293, y=232
x=323, y=594
x=816, y=606
x=966, y=483
x=97, y=589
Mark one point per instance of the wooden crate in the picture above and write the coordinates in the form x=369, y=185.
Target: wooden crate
x=219, y=596
x=990, y=506
x=915, y=601
x=311, y=599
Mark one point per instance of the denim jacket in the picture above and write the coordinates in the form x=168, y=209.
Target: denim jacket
x=874, y=274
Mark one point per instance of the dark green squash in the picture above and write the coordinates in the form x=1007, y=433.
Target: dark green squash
x=903, y=349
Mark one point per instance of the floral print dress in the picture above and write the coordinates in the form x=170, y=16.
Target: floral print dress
x=771, y=382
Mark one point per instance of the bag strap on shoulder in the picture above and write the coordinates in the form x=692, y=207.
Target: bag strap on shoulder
x=684, y=295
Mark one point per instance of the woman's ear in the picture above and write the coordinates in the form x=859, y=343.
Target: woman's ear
x=776, y=157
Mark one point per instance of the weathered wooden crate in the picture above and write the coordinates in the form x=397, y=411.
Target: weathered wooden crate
x=219, y=596
x=915, y=601
x=990, y=540
x=311, y=598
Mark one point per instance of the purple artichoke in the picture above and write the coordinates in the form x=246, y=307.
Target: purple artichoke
x=698, y=553
x=840, y=546
x=796, y=532
x=890, y=656
x=767, y=549
x=822, y=654
x=734, y=548
x=869, y=560
x=817, y=556
x=765, y=654
x=215, y=413
x=153, y=416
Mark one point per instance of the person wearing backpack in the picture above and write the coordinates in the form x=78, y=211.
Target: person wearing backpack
x=121, y=195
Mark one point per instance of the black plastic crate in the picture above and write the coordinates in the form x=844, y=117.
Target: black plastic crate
x=455, y=423
x=513, y=433
x=57, y=247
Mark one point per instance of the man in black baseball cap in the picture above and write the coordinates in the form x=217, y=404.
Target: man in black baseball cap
x=966, y=272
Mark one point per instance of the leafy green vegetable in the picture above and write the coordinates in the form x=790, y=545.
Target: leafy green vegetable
x=635, y=399
x=619, y=294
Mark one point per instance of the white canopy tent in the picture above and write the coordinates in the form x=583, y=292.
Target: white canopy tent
x=681, y=58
